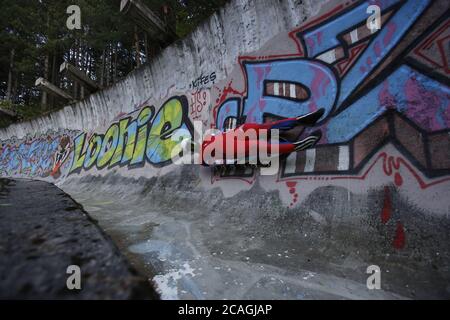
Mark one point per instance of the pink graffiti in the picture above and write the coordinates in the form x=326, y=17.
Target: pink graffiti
x=424, y=106
x=391, y=27
x=385, y=97
x=377, y=49
x=319, y=84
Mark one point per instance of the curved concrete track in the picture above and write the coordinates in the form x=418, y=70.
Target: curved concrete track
x=197, y=244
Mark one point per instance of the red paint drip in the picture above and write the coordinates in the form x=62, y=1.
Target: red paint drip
x=292, y=190
x=399, y=240
x=55, y=170
x=291, y=184
x=398, y=180
x=228, y=90
x=386, y=213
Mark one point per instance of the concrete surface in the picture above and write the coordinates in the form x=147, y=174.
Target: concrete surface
x=199, y=245
x=42, y=232
x=374, y=191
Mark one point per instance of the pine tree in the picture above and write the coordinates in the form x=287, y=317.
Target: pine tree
x=34, y=41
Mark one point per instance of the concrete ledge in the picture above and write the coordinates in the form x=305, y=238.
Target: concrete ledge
x=42, y=232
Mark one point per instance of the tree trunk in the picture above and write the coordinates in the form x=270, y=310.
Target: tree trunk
x=102, y=71
x=54, y=78
x=44, y=94
x=83, y=68
x=147, y=55
x=46, y=67
x=14, y=88
x=76, y=64
x=108, y=66
x=115, y=63
x=10, y=74
x=138, y=51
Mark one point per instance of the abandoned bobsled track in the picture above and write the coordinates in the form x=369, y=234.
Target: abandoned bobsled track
x=373, y=191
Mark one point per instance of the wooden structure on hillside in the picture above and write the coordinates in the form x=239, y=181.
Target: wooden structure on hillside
x=79, y=76
x=8, y=113
x=50, y=88
x=149, y=21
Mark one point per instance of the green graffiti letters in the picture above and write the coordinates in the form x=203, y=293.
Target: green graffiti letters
x=132, y=142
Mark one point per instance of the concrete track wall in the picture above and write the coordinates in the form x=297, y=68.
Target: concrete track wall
x=373, y=191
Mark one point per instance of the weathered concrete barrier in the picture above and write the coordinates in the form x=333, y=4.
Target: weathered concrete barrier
x=372, y=192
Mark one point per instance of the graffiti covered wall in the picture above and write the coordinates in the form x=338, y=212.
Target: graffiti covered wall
x=379, y=87
x=385, y=92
